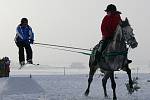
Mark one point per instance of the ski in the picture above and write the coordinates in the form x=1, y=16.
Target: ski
x=35, y=64
x=21, y=66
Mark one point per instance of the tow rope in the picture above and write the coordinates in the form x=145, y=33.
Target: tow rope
x=68, y=47
x=63, y=46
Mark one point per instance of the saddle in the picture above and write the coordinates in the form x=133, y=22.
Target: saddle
x=109, y=60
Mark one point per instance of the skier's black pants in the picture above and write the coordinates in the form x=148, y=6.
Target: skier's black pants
x=21, y=46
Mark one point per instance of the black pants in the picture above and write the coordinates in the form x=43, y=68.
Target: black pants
x=21, y=46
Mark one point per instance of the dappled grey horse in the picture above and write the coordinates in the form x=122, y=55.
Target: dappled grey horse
x=114, y=57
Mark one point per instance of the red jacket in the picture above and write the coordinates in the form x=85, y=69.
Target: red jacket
x=109, y=24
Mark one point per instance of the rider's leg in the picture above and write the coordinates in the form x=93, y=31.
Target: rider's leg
x=98, y=54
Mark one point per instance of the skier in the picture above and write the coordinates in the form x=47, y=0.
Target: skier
x=24, y=37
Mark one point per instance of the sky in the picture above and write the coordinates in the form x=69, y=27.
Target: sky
x=71, y=23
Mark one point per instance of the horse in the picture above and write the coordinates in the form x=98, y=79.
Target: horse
x=114, y=57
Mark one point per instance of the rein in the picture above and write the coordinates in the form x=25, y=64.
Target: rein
x=116, y=53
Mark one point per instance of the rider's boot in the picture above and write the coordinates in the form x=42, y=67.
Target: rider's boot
x=129, y=61
x=97, y=58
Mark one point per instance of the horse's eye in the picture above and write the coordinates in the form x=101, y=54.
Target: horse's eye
x=124, y=31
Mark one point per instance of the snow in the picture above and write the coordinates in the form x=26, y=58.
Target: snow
x=21, y=85
x=69, y=87
x=43, y=82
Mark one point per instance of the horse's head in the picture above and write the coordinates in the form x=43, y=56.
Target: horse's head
x=128, y=35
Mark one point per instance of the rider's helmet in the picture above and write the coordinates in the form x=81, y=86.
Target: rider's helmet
x=111, y=7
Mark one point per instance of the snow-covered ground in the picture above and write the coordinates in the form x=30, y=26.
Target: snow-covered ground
x=69, y=87
x=34, y=82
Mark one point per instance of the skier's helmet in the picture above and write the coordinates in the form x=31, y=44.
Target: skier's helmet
x=24, y=20
x=111, y=7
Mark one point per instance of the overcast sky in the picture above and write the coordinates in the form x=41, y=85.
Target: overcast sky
x=71, y=23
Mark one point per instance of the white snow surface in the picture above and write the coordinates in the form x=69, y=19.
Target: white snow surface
x=64, y=83
x=69, y=87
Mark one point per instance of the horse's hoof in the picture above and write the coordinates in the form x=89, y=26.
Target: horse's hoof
x=107, y=97
x=114, y=98
x=131, y=86
x=86, y=93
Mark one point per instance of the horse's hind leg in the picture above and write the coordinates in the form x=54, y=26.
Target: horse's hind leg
x=113, y=85
x=91, y=74
x=104, y=81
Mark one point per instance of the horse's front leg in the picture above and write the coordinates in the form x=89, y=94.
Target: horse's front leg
x=91, y=74
x=128, y=70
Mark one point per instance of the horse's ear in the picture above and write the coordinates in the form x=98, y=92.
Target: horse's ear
x=127, y=21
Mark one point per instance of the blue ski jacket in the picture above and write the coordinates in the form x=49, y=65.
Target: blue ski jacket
x=24, y=34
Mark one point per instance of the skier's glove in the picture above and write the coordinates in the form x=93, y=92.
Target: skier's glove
x=31, y=41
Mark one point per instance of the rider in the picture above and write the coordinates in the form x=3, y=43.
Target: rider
x=108, y=27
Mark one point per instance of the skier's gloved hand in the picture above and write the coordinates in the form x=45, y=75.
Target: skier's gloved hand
x=31, y=41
